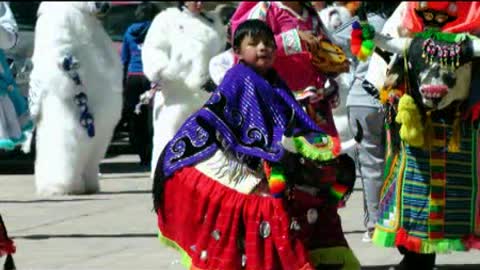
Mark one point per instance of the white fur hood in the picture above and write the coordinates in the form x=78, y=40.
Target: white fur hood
x=87, y=7
x=179, y=46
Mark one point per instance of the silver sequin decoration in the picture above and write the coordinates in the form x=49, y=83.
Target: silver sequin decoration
x=312, y=215
x=216, y=235
x=244, y=260
x=203, y=255
x=265, y=229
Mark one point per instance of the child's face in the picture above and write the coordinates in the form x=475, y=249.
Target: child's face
x=257, y=53
x=194, y=6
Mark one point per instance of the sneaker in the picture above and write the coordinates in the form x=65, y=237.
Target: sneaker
x=367, y=237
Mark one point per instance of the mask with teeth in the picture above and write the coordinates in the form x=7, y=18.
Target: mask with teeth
x=439, y=71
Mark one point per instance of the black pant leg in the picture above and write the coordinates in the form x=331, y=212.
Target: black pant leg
x=140, y=128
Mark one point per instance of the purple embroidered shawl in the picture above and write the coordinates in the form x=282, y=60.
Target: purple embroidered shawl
x=245, y=115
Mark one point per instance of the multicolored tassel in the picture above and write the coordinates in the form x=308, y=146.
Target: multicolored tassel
x=338, y=191
x=362, y=45
x=276, y=179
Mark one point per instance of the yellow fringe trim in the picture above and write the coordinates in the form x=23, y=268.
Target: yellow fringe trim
x=409, y=117
x=185, y=260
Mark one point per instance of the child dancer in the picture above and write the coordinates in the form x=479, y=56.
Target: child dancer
x=238, y=187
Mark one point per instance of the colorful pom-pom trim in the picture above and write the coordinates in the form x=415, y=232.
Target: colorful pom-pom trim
x=362, y=44
x=319, y=148
x=276, y=179
x=338, y=191
x=312, y=146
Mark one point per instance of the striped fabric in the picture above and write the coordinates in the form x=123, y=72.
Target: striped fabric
x=431, y=194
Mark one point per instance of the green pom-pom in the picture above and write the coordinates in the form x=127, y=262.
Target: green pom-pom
x=368, y=32
x=366, y=51
x=368, y=44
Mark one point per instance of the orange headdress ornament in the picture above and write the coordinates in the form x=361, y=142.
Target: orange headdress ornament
x=449, y=16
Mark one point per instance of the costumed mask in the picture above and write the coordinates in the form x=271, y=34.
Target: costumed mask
x=436, y=69
x=439, y=68
x=439, y=57
x=453, y=17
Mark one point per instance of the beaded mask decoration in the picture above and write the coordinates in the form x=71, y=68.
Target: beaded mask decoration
x=449, y=50
x=448, y=56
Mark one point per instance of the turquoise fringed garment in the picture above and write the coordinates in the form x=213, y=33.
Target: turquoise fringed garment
x=14, y=114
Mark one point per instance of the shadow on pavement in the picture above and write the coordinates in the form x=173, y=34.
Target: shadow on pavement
x=118, y=147
x=459, y=267
x=49, y=201
x=438, y=267
x=125, y=192
x=26, y=166
x=48, y=236
x=16, y=166
x=354, y=232
x=131, y=177
x=16, y=162
x=122, y=167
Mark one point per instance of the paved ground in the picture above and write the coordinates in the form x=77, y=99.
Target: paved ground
x=116, y=229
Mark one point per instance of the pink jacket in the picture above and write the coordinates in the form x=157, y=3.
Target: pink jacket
x=293, y=60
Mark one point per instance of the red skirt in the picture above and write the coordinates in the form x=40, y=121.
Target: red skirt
x=216, y=227
x=6, y=244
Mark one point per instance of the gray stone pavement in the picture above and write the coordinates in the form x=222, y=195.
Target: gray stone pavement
x=116, y=229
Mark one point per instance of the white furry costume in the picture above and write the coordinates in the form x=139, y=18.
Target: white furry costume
x=176, y=53
x=67, y=160
x=334, y=16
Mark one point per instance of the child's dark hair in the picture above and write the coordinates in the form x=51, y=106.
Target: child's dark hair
x=254, y=28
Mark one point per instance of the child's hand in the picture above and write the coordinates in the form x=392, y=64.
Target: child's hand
x=334, y=100
x=311, y=41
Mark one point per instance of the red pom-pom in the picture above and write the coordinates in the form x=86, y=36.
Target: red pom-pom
x=337, y=146
x=356, y=34
x=277, y=186
x=355, y=48
x=356, y=41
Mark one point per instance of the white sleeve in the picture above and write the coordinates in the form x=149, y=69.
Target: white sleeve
x=8, y=27
x=156, y=48
x=220, y=64
x=378, y=68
